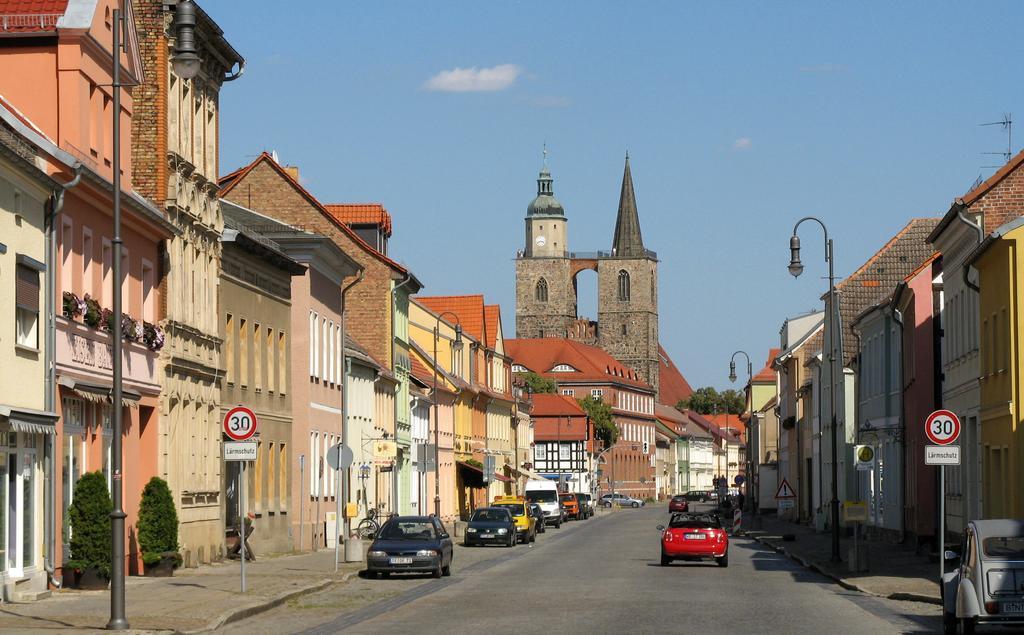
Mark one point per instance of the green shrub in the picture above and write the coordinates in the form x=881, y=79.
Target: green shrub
x=158, y=521
x=89, y=516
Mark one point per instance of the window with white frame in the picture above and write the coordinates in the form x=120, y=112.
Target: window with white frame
x=314, y=463
x=596, y=392
x=569, y=391
x=519, y=368
x=27, y=306
x=540, y=452
x=563, y=368
x=312, y=344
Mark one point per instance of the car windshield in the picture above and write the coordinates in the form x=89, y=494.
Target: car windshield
x=678, y=498
x=490, y=516
x=679, y=522
x=408, y=530
x=541, y=496
x=517, y=510
x=569, y=498
x=1006, y=547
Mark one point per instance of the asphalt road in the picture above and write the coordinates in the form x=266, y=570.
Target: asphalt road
x=600, y=576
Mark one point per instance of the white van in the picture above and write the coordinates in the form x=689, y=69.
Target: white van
x=545, y=494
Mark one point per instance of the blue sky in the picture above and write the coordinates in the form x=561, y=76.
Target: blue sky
x=739, y=119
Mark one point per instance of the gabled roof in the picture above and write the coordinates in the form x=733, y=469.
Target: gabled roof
x=492, y=324
x=767, y=374
x=552, y=405
x=361, y=214
x=877, y=277
x=469, y=309
x=592, y=364
x=805, y=339
x=228, y=183
x=728, y=424
x=672, y=386
x=31, y=16
x=967, y=199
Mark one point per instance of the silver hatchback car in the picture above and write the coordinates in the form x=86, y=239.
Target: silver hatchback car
x=987, y=584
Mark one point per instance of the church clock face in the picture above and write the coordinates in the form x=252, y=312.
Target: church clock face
x=541, y=241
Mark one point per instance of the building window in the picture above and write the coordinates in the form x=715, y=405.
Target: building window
x=596, y=392
x=229, y=349
x=540, y=453
x=66, y=253
x=282, y=466
x=623, y=285
x=271, y=366
x=282, y=357
x=27, y=307
x=147, y=291
x=273, y=486
x=108, y=273
x=563, y=368
x=542, y=290
x=312, y=344
x=243, y=353
x=257, y=358
x=87, y=257
x=568, y=391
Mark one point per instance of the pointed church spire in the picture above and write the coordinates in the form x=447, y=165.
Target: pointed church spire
x=628, y=243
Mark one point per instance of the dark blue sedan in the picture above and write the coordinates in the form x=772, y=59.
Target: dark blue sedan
x=411, y=544
x=491, y=526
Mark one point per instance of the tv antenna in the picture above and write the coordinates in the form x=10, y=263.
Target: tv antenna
x=1007, y=124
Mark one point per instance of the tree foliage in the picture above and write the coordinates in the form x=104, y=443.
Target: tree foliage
x=158, y=521
x=89, y=516
x=537, y=384
x=708, y=401
x=600, y=415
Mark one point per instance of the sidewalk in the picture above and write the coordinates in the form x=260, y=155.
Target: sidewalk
x=194, y=600
x=893, y=571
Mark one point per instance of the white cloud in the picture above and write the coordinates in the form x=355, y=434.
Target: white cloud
x=743, y=143
x=471, y=80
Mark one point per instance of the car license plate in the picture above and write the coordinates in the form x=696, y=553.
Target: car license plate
x=1012, y=607
x=400, y=560
x=696, y=537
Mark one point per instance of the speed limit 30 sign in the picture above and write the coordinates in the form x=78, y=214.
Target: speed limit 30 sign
x=240, y=423
x=942, y=427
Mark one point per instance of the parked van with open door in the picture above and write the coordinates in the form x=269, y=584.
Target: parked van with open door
x=545, y=494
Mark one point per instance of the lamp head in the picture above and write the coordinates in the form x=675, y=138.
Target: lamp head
x=186, y=60
x=457, y=344
x=732, y=371
x=795, y=266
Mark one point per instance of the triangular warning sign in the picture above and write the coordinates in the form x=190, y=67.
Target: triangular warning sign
x=785, y=491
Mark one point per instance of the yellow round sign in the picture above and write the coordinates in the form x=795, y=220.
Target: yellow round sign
x=865, y=453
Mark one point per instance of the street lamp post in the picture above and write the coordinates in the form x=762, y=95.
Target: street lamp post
x=750, y=398
x=456, y=349
x=796, y=268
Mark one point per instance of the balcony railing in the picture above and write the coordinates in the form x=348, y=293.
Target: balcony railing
x=29, y=22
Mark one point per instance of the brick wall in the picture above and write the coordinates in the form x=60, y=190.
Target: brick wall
x=149, y=121
x=264, y=190
x=1002, y=203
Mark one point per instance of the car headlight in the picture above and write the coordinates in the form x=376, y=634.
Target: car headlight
x=377, y=554
x=471, y=530
x=426, y=553
x=502, y=531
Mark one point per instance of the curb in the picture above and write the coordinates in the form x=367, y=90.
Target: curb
x=244, y=612
x=906, y=597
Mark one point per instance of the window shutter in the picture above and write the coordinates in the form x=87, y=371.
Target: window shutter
x=26, y=292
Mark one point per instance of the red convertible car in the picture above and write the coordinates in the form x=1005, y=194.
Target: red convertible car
x=694, y=537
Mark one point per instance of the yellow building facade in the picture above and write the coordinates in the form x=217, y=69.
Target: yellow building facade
x=1000, y=264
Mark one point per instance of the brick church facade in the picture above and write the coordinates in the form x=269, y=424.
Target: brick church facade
x=546, y=270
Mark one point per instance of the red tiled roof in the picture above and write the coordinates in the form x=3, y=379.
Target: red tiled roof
x=469, y=308
x=728, y=424
x=672, y=387
x=229, y=181
x=492, y=320
x=767, y=374
x=549, y=405
x=993, y=180
x=591, y=363
x=30, y=16
x=361, y=214
x=924, y=265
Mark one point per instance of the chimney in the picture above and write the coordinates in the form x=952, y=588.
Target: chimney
x=292, y=170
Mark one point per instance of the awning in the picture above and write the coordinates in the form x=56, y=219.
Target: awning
x=479, y=474
x=99, y=393
x=531, y=475
x=30, y=421
x=472, y=476
x=502, y=478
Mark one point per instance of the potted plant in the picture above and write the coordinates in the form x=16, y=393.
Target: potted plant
x=153, y=336
x=73, y=305
x=158, y=529
x=93, y=313
x=89, y=516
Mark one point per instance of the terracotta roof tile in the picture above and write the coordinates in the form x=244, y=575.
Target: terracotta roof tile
x=591, y=363
x=229, y=181
x=549, y=405
x=672, y=387
x=30, y=16
x=469, y=308
x=361, y=214
x=767, y=374
x=728, y=425
x=492, y=320
x=877, y=277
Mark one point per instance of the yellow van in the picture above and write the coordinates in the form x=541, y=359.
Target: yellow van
x=526, y=525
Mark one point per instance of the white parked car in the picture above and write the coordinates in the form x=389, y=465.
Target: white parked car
x=987, y=584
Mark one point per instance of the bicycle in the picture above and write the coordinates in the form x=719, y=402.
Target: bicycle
x=368, y=527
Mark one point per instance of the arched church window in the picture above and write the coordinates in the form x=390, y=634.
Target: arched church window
x=623, y=285
x=542, y=290
x=653, y=289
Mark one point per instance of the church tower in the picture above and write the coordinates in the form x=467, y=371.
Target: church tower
x=545, y=297
x=627, y=288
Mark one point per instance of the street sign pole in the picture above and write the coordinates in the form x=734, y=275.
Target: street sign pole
x=338, y=521
x=942, y=428
x=241, y=517
x=942, y=523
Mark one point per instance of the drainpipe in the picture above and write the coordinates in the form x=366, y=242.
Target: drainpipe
x=981, y=237
x=898, y=317
x=395, y=475
x=350, y=551
x=50, y=366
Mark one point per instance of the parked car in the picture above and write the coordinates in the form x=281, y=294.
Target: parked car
x=570, y=505
x=694, y=537
x=678, y=504
x=986, y=585
x=621, y=500
x=590, y=503
x=538, y=515
x=584, y=509
x=700, y=496
x=491, y=526
x=526, y=525
x=410, y=544
x=545, y=494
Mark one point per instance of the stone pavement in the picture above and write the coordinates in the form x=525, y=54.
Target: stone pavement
x=194, y=600
x=894, y=572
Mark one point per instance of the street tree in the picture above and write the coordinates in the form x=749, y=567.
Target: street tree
x=600, y=415
x=537, y=384
x=708, y=401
